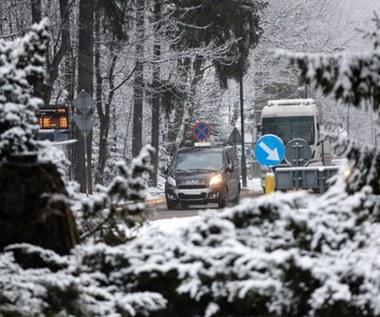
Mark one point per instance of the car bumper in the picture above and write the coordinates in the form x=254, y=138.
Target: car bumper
x=193, y=196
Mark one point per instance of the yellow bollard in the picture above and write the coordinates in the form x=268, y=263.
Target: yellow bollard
x=269, y=183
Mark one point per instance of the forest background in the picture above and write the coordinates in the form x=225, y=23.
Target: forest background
x=157, y=67
x=285, y=254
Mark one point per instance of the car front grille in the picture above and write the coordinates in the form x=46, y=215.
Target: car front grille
x=192, y=186
x=189, y=197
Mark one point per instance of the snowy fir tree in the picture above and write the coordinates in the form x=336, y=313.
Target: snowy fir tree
x=104, y=215
x=31, y=206
x=21, y=66
x=281, y=255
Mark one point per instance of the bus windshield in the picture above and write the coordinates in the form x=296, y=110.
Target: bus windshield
x=198, y=160
x=287, y=128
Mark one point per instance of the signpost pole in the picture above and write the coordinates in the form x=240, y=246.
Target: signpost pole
x=84, y=104
x=85, y=153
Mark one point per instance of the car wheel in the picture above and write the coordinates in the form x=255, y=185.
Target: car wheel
x=185, y=206
x=236, y=200
x=223, y=199
x=171, y=205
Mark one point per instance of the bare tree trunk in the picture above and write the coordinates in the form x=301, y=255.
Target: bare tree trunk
x=44, y=89
x=198, y=73
x=138, y=92
x=99, y=103
x=53, y=71
x=69, y=79
x=235, y=114
x=103, y=111
x=174, y=128
x=156, y=94
x=126, y=135
x=36, y=11
x=85, y=82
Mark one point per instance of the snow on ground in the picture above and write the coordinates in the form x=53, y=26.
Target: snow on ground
x=154, y=193
x=170, y=225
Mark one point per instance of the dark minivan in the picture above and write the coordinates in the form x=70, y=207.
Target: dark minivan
x=202, y=175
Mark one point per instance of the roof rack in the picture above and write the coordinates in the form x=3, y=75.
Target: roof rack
x=291, y=102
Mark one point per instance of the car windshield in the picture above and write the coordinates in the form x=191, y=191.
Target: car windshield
x=202, y=160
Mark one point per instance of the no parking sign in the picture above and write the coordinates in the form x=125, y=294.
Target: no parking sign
x=201, y=131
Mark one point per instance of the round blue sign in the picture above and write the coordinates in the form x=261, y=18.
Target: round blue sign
x=269, y=150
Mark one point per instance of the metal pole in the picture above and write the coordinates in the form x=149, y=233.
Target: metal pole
x=85, y=151
x=348, y=120
x=370, y=109
x=243, y=162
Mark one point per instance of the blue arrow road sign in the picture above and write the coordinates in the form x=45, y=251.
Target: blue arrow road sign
x=269, y=150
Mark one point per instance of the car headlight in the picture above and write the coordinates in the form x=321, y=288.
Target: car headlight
x=171, y=181
x=216, y=180
x=347, y=171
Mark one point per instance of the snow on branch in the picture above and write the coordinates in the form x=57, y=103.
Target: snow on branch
x=21, y=66
x=122, y=201
x=348, y=77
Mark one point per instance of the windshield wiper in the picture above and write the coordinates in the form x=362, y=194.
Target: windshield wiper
x=195, y=169
x=201, y=169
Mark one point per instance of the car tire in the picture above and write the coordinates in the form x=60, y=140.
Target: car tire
x=170, y=205
x=237, y=198
x=185, y=206
x=223, y=202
